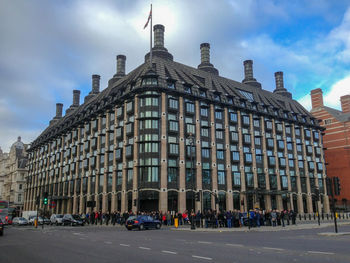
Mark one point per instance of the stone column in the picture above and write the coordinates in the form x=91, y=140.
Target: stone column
x=214, y=174
x=278, y=197
x=135, y=182
x=229, y=195
x=308, y=187
x=199, y=186
x=163, y=195
x=182, y=164
x=300, y=197
x=243, y=195
x=105, y=174
x=124, y=199
x=267, y=197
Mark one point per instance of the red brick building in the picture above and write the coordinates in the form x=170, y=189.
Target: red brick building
x=336, y=140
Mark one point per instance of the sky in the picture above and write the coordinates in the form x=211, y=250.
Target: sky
x=50, y=48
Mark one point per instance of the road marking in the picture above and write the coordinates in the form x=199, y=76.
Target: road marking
x=82, y=238
x=274, y=248
x=108, y=242
x=320, y=252
x=169, y=252
x=201, y=257
x=205, y=242
x=146, y=248
x=124, y=245
x=234, y=245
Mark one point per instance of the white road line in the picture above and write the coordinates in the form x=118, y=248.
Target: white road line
x=273, y=248
x=124, y=245
x=169, y=252
x=234, y=245
x=201, y=257
x=146, y=248
x=320, y=252
x=108, y=242
x=205, y=242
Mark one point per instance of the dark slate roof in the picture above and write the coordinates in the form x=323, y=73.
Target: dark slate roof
x=339, y=115
x=181, y=74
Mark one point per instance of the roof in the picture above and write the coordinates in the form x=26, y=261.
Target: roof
x=339, y=115
x=182, y=75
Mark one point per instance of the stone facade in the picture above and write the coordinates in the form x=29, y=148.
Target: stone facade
x=13, y=173
x=165, y=131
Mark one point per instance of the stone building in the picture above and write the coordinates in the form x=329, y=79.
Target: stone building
x=161, y=133
x=13, y=173
x=336, y=141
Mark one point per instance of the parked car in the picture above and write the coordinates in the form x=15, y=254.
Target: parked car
x=20, y=221
x=142, y=222
x=46, y=221
x=1, y=228
x=56, y=219
x=68, y=219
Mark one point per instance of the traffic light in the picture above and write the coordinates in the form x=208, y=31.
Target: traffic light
x=317, y=194
x=46, y=195
x=198, y=196
x=336, y=183
x=329, y=186
x=135, y=202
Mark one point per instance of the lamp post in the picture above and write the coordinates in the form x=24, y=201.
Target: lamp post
x=190, y=137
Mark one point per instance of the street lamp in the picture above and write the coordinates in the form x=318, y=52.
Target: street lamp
x=190, y=138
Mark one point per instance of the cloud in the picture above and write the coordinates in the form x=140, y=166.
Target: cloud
x=49, y=48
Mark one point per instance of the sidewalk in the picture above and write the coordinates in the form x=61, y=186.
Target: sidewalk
x=261, y=229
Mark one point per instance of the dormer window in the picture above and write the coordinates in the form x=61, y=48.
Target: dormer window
x=171, y=85
x=187, y=89
x=230, y=100
x=149, y=81
x=202, y=93
x=216, y=97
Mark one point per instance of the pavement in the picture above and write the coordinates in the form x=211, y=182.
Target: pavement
x=116, y=244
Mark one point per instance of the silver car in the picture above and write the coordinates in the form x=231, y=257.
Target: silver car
x=21, y=221
x=56, y=219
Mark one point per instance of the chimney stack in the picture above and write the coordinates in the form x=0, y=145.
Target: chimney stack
x=279, y=80
x=345, y=103
x=59, y=107
x=76, y=98
x=205, y=53
x=248, y=70
x=205, y=64
x=95, y=84
x=316, y=99
x=248, y=74
x=121, y=65
x=158, y=36
x=280, y=85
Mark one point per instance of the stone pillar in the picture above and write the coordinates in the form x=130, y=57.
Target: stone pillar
x=267, y=198
x=199, y=187
x=163, y=195
x=229, y=195
x=300, y=197
x=135, y=194
x=124, y=199
x=278, y=197
x=214, y=174
x=182, y=164
x=243, y=196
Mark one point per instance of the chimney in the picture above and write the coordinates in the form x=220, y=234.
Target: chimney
x=248, y=74
x=279, y=80
x=248, y=70
x=121, y=65
x=59, y=107
x=95, y=84
x=280, y=85
x=345, y=103
x=205, y=59
x=76, y=98
x=205, y=53
x=316, y=99
x=158, y=36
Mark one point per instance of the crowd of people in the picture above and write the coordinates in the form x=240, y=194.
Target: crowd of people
x=209, y=218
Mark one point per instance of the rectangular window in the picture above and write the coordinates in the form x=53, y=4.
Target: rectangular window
x=173, y=126
x=236, y=179
x=235, y=156
x=234, y=136
x=189, y=107
x=245, y=120
x=250, y=179
x=218, y=115
x=173, y=104
x=173, y=148
x=205, y=153
x=204, y=132
x=219, y=134
x=221, y=177
x=233, y=117
x=220, y=155
x=190, y=128
x=204, y=112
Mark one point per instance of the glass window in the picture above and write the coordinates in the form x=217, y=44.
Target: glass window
x=221, y=177
x=204, y=112
x=173, y=103
x=235, y=156
x=246, y=94
x=189, y=107
x=205, y=132
x=218, y=115
x=205, y=153
x=233, y=116
x=220, y=155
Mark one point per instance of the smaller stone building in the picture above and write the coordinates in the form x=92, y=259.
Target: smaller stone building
x=336, y=141
x=13, y=172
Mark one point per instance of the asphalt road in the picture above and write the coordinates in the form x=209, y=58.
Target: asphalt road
x=116, y=244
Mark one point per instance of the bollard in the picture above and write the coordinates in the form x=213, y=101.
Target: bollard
x=314, y=217
x=309, y=216
x=299, y=217
x=322, y=216
x=35, y=223
x=327, y=217
x=331, y=216
x=176, y=222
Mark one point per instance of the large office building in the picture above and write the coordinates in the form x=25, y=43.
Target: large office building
x=336, y=141
x=167, y=136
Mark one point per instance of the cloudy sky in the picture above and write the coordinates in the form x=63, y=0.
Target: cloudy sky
x=49, y=48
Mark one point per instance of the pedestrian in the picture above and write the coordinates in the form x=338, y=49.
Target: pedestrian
x=229, y=219
x=168, y=218
x=274, y=217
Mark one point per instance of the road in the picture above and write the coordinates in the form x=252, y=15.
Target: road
x=116, y=244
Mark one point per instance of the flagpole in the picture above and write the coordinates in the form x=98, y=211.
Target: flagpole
x=150, y=54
